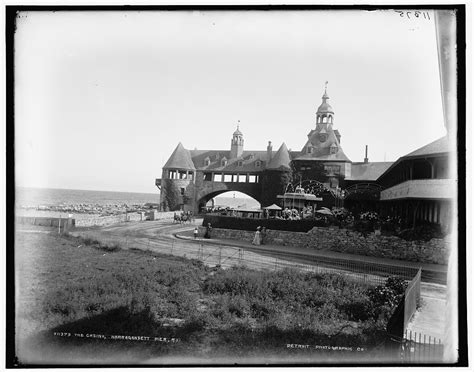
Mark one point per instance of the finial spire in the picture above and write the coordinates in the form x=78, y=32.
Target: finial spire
x=238, y=124
x=325, y=95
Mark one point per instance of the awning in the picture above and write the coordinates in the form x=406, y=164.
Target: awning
x=273, y=207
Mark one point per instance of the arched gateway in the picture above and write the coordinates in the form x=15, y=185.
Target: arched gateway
x=192, y=177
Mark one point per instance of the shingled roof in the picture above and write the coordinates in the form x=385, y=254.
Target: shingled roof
x=439, y=146
x=281, y=160
x=180, y=159
x=368, y=171
x=252, y=161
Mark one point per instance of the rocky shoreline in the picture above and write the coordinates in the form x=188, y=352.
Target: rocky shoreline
x=91, y=208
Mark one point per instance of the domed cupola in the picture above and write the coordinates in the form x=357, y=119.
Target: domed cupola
x=325, y=113
x=237, y=131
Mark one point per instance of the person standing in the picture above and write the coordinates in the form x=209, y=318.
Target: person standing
x=256, y=239
x=263, y=235
x=196, y=232
x=207, y=235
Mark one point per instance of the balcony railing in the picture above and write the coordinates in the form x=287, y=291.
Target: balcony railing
x=421, y=189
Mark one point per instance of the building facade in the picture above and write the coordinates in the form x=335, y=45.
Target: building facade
x=417, y=187
x=190, y=178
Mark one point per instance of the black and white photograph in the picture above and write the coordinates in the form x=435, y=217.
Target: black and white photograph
x=236, y=185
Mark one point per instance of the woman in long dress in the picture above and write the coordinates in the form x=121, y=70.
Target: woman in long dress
x=257, y=237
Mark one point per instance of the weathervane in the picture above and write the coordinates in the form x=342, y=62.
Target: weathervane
x=325, y=86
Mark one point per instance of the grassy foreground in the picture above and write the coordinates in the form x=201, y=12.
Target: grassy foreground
x=82, y=303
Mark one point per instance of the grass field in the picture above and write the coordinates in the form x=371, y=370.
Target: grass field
x=71, y=294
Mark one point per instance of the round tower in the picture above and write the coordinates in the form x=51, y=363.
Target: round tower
x=177, y=185
x=276, y=176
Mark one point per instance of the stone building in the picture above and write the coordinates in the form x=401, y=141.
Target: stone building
x=192, y=177
x=417, y=187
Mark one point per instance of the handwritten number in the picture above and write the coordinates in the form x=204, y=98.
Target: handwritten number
x=417, y=13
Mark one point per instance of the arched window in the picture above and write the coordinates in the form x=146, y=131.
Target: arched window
x=207, y=161
x=325, y=119
x=223, y=162
x=309, y=149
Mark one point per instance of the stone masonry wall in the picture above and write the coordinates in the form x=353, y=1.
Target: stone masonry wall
x=110, y=220
x=348, y=241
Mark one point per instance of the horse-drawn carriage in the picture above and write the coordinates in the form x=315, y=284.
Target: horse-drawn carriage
x=183, y=217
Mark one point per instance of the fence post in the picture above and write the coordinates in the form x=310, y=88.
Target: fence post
x=172, y=246
x=220, y=255
x=276, y=262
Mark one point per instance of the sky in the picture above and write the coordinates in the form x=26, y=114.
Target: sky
x=103, y=98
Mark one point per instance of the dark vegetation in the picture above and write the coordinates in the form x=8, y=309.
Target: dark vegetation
x=69, y=285
x=251, y=224
x=425, y=231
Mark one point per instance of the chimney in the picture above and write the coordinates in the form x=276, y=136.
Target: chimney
x=269, y=151
x=366, y=159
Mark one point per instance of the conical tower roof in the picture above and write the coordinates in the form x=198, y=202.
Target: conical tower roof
x=180, y=159
x=281, y=160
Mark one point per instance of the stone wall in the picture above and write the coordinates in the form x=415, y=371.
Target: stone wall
x=46, y=221
x=110, y=220
x=348, y=241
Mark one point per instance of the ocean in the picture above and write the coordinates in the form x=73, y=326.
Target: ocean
x=29, y=196
x=35, y=197
x=245, y=203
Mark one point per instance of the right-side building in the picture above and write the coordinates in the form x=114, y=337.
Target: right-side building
x=421, y=186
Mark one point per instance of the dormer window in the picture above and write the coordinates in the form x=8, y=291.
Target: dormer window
x=333, y=148
x=258, y=163
x=223, y=162
x=323, y=137
x=207, y=161
x=309, y=150
x=251, y=156
x=240, y=163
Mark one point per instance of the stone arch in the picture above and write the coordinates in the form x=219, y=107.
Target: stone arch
x=202, y=200
x=213, y=189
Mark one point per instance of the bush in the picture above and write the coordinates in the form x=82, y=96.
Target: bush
x=397, y=284
x=251, y=224
x=423, y=232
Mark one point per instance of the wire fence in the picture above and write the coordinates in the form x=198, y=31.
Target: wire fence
x=227, y=256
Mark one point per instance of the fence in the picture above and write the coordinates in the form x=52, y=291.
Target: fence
x=63, y=223
x=227, y=256
x=407, y=347
x=416, y=348
x=406, y=308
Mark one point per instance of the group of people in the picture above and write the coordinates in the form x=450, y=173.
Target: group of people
x=260, y=235
x=207, y=234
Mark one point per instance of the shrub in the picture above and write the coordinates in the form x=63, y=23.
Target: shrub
x=251, y=224
x=239, y=306
x=397, y=284
x=423, y=232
